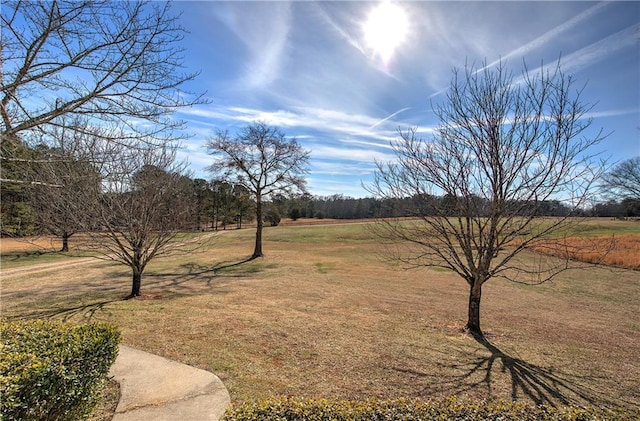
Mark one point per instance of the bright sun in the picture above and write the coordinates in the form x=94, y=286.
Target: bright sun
x=385, y=29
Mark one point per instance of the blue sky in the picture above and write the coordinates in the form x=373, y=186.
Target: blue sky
x=316, y=71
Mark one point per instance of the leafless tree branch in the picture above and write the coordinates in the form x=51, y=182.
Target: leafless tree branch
x=503, y=148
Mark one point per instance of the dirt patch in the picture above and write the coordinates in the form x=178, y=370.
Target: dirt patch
x=106, y=408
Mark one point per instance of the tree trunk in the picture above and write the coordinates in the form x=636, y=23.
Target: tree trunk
x=257, y=251
x=65, y=242
x=473, y=322
x=136, y=283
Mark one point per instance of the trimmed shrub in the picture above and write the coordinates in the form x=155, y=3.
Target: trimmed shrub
x=292, y=409
x=52, y=370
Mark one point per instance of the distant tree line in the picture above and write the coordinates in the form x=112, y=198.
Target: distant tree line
x=619, y=197
x=626, y=208
x=344, y=207
x=219, y=205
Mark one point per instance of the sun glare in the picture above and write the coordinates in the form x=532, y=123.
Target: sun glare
x=385, y=29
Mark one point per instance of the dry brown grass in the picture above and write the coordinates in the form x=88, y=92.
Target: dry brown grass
x=9, y=245
x=613, y=250
x=322, y=316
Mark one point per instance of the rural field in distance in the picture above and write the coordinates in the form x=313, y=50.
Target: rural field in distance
x=322, y=315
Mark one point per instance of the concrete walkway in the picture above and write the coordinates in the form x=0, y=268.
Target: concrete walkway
x=154, y=388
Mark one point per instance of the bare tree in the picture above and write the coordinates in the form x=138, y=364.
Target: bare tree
x=69, y=181
x=142, y=209
x=56, y=175
x=119, y=63
x=623, y=181
x=503, y=147
x=263, y=161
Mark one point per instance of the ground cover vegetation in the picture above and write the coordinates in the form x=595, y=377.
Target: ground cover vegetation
x=292, y=409
x=321, y=315
x=53, y=371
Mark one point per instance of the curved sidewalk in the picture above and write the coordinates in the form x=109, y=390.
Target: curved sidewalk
x=155, y=388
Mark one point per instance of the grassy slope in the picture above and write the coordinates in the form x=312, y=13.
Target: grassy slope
x=321, y=315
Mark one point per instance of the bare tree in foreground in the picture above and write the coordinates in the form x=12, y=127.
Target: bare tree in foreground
x=262, y=160
x=142, y=209
x=503, y=147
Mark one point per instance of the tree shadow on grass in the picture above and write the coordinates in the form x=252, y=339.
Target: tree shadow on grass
x=22, y=255
x=472, y=374
x=218, y=269
x=85, y=311
x=87, y=301
x=192, y=276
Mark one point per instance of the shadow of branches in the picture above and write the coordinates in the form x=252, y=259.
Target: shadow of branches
x=471, y=373
x=87, y=300
x=191, y=277
x=85, y=312
x=195, y=270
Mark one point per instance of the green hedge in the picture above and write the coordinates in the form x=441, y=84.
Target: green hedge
x=292, y=409
x=52, y=370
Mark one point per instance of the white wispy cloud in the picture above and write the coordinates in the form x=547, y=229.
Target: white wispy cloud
x=337, y=153
x=551, y=35
x=342, y=168
x=329, y=187
x=390, y=116
x=602, y=49
x=542, y=41
x=341, y=144
x=344, y=33
x=593, y=53
x=264, y=31
x=377, y=131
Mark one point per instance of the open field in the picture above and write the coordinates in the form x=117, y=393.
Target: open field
x=621, y=250
x=322, y=316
